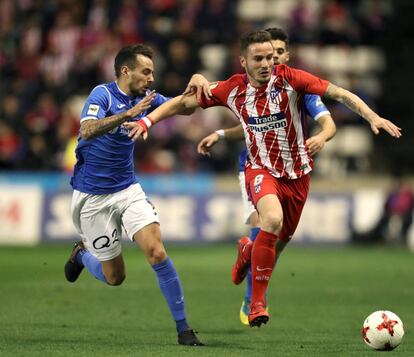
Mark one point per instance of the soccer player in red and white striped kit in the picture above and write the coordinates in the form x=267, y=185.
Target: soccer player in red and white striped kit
x=268, y=101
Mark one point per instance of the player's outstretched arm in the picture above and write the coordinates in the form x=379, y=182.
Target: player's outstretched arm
x=316, y=142
x=205, y=144
x=178, y=105
x=199, y=85
x=92, y=128
x=234, y=133
x=358, y=106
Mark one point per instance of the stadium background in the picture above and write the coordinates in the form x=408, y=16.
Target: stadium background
x=53, y=52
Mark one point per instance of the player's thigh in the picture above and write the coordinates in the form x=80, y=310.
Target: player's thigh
x=270, y=212
x=149, y=240
x=97, y=220
x=263, y=191
x=137, y=212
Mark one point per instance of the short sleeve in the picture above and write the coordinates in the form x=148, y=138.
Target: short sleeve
x=315, y=107
x=304, y=82
x=220, y=93
x=97, y=104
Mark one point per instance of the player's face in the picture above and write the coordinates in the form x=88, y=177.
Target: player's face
x=141, y=77
x=258, y=62
x=280, y=52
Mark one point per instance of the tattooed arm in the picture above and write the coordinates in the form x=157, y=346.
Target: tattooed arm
x=358, y=106
x=96, y=127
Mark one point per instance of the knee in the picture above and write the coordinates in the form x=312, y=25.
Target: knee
x=115, y=279
x=272, y=223
x=149, y=239
x=157, y=254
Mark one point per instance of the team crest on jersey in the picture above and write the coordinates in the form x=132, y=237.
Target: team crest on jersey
x=274, y=93
x=93, y=109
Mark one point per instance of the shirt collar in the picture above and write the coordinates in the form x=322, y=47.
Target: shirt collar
x=130, y=97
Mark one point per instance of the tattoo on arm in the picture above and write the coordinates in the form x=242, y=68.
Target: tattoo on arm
x=343, y=96
x=92, y=128
x=352, y=104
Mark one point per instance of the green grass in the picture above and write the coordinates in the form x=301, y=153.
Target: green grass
x=318, y=299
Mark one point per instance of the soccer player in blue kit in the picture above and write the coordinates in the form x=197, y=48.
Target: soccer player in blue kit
x=107, y=197
x=315, y=108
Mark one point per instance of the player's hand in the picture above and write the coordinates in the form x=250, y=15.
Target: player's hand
x=142, y=105
x=315, y=144
x=384, y=124
x=138, y=128
x=204, y=146
x=199, y=85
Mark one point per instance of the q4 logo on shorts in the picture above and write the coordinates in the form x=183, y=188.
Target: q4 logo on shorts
x=105, y=241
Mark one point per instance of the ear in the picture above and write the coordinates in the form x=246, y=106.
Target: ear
x=124, y=70
x=242, y=61
x=287, y=56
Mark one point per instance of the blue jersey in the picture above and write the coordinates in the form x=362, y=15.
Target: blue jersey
x=105, y=164
x=314, y=107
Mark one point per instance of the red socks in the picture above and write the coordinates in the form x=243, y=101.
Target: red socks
x=262, y=264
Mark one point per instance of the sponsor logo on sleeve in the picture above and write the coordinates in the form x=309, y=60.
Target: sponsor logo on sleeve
x=93, y=109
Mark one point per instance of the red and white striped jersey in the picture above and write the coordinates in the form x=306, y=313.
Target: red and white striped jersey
x=273, y=118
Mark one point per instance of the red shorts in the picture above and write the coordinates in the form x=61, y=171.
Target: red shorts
x=292, y=195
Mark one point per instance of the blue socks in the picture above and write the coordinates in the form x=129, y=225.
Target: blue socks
x=94, y=266
x=170, y=286
x=254, y=231
x=168, y=281
x=248, y=296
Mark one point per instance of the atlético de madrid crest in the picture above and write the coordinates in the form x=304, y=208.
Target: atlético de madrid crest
x=273, y=95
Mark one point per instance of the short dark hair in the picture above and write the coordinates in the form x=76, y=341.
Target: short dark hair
x=277, y=33
x=253, y=37
x=128, y=54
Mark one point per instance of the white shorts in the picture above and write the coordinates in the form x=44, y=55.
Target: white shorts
x=99, y=219
x=248, y=207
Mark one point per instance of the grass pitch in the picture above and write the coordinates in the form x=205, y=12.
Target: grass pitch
x=319, y=297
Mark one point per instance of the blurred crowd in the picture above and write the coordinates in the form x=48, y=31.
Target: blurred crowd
x=53, y=52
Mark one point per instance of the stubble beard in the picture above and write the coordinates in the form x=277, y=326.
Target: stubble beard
x=137, y=92
x=262, y=81
x=257, y=78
